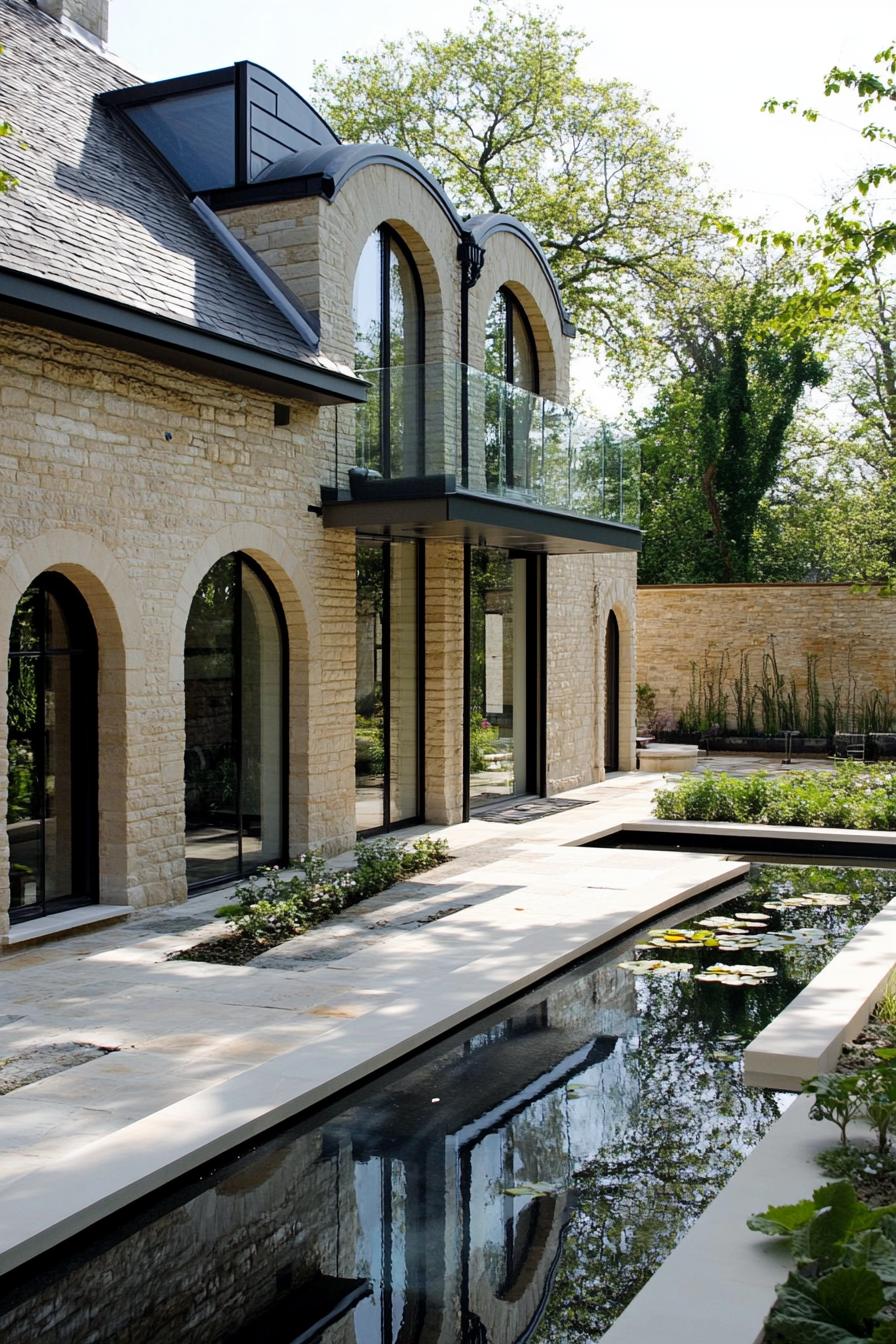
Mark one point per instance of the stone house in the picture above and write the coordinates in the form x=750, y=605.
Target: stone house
x=291, y=498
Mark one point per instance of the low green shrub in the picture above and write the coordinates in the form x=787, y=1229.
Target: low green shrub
x=845, y=1280
x=853, y=796
x=271, y=907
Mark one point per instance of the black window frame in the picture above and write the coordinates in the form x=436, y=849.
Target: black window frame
x=242, y=872
x=388, y=824
x=84, y=740
x=387, y=237
x=536, y=605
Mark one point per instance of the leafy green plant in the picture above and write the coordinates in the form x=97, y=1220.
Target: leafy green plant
x=886, y=1009
x=817, y=1229
x=854, y=796
x=845, y=1252
x=837, y=1097
x=272, y=907
x=856, y=1164
x=877, y=1096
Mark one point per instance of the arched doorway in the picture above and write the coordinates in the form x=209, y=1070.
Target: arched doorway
x=52, y=734
x=235, y=694
x=611, y=696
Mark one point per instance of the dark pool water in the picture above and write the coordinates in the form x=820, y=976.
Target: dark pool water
x=518, y=1183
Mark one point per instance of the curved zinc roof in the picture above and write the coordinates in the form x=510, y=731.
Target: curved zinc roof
x=334, y=164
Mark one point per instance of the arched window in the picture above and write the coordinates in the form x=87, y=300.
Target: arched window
x=387, y=310
x=509, y=344
x=52, y=721
x=512, y=455
x=234, y=775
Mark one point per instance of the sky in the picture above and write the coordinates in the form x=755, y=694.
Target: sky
x=708, y=63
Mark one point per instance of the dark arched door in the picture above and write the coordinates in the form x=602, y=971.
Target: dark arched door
x=235, y=749
x=611, y=698
x=52, y=734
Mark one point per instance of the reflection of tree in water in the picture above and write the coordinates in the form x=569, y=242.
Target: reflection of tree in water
x=693, y=1122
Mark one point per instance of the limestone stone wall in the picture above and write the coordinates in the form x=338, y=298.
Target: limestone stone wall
x=91, y=486
x=134, y=479
x=850, y=632
x=582, y=591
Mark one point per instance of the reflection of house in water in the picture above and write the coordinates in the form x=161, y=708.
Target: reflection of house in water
x=391, y=1224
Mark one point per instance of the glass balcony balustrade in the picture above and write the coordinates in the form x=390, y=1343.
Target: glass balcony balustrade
x=433, y=428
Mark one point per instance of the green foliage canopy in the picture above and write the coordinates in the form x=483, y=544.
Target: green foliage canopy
x=501, y=116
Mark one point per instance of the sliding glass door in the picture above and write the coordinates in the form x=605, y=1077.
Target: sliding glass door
x=389, y=685
x=504, y=653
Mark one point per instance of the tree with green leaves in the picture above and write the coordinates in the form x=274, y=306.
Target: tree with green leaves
x=715, y=440
x=500, y=114
x=850, y=237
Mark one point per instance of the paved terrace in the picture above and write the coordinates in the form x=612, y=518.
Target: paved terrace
x=174, y=1029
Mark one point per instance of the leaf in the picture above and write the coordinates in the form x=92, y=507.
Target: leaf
x=873, y=1250
x=780, y=1220
x=851, y=1296
x=823, y=1311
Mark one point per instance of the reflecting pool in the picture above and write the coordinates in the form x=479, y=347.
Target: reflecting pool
x=519, y=1181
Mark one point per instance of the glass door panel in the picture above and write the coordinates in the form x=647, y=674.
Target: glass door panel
x=370, y=737
x=403, y=689
x=387, y=685
x=499, y=690
x=51, y=717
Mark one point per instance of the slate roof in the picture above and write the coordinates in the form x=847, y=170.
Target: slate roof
x=94, y=211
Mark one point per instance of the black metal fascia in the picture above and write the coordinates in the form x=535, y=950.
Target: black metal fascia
x=41, y=302
x=479, y=510
x=478, y=513
x=135, y=94
x=265, y=193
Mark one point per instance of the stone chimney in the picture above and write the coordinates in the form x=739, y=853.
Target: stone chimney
x=90, y=18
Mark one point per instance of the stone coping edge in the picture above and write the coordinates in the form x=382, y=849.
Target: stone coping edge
x=63, y=924
x=721, y=1279
x=807, y=1036
x=736, y=830
x=65, y=1197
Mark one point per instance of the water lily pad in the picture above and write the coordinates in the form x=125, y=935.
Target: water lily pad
x=655, y=967
x=736, y=975
x=752, y=918
x=811, y=898
x=538, y=1190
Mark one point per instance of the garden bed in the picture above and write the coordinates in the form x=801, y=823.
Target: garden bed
x=273, y=907
x=853, y=796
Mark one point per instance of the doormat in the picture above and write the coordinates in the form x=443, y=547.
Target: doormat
x=533, y=810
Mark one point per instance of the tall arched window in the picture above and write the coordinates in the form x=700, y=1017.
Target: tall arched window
x=234, y=672
x=52, y=720
x=512, y=365
x=387, y=309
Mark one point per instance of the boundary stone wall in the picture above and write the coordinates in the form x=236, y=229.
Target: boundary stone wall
x=851, y=632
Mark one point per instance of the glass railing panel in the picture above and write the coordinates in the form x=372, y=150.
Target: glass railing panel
x=519, y=446
x=558, y=472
